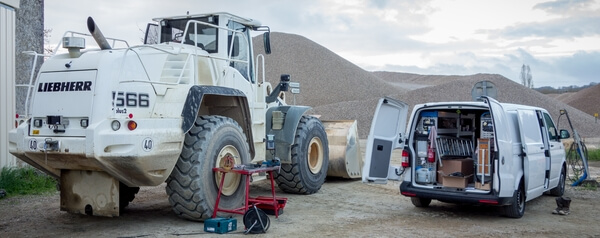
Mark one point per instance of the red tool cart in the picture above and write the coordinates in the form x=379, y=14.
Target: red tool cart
x=267, y=203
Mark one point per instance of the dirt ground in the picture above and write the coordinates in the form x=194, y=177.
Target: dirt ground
x=342, y=208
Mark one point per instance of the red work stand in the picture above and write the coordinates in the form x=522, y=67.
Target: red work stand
x=248, y=200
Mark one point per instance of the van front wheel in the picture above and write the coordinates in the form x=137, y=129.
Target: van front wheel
x=560, y=188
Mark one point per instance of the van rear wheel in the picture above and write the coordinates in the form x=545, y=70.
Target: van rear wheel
x=420, y=202
x=517, y=208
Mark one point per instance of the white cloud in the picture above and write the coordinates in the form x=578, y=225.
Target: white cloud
x=558, y=39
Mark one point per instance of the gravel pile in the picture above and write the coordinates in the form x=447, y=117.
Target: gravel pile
x=324, y=77
x=587, y=100
x=338, y=89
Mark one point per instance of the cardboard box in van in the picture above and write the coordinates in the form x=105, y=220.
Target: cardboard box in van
x=465, y=166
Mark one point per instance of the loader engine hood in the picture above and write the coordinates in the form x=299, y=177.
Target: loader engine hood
x=63, y=103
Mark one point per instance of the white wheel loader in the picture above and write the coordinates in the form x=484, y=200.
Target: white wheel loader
x=108, y=120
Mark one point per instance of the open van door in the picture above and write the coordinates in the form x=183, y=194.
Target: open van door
x=502, y=139
x=387, y=128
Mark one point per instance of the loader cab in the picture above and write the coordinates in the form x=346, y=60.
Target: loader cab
x=222, y=35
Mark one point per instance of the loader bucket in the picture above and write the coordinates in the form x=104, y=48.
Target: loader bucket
x=345, y=159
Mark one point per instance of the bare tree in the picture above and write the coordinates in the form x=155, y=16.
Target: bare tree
x=48, y=50
x=526, y=78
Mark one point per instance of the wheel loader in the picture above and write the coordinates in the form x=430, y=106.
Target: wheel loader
x=106, y=120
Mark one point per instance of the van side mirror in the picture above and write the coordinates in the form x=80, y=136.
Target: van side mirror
x=267, y=42
x=564, y=134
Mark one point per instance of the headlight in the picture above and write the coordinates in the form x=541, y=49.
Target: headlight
x=116, y=125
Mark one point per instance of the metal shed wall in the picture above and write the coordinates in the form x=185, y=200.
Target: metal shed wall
x=7, y=78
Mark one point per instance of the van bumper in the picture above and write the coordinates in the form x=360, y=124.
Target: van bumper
x=461, y=197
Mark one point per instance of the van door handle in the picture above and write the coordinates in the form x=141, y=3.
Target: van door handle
x=542, y=148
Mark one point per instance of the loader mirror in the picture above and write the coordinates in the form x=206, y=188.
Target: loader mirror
x=285, y=80
x=267, y=41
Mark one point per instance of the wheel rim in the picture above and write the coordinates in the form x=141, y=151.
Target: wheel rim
x=521, y=201
x=315, y=155
x=232, y=180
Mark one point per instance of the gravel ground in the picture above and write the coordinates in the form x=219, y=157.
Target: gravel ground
x=342, y=208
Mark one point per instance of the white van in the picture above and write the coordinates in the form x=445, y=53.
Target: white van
x=480, y=152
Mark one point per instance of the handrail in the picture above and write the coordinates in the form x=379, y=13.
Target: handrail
x=30, y=85
x=73, y=33
x=260, y=58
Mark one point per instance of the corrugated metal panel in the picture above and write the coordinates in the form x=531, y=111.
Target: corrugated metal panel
x=11, y=3
x=7, y=82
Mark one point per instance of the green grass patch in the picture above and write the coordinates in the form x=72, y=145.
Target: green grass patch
x=25, y=181
x=594, y=155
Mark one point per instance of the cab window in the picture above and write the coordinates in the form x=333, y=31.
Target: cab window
x=238, y=49
x=200, y=35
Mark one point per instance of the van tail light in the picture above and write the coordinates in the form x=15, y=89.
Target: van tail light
x=486, y=201
x=405, y=159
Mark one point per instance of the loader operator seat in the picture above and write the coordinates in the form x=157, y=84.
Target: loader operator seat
x=191, y=42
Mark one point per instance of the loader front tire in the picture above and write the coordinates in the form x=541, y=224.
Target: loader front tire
x=192, y=187
x=310, y=159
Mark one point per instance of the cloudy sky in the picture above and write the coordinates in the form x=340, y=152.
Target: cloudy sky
x=558, y=39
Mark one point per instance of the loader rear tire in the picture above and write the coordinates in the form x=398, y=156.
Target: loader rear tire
x=193, y=186
x=310, y=159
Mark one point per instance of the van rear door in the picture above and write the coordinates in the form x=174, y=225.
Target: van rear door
x=387, y=128
x=503, y=146
x=532, y=143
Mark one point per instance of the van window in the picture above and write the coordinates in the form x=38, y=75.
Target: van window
x=552, y=134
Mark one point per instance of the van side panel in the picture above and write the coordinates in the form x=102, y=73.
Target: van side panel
x=533, y=148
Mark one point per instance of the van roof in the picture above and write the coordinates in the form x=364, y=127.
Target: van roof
x=506, y=106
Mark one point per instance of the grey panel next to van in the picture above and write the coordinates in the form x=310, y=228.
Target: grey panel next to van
x=380, y=158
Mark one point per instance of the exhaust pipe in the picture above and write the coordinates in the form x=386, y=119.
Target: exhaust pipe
x=97, y=34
